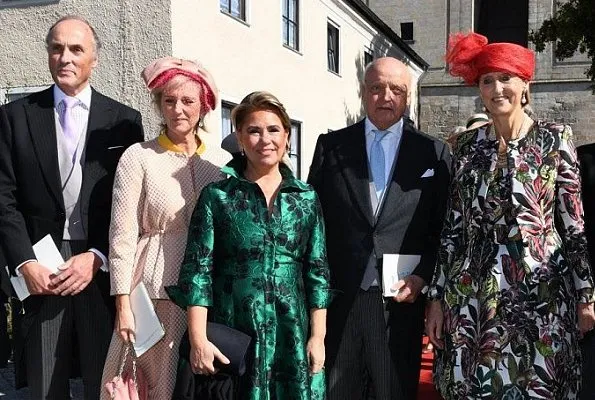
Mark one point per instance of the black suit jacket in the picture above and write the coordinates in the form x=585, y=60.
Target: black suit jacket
x=31, y=201
x=409, y=221
x=586, y=155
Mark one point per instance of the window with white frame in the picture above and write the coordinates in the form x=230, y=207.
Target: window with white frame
x=11, y=94
x=368, y=56
x=228, y=138
x=332, y=33
x=235, y=8
x=226, y=124
x=290, y=23
x=294, y=147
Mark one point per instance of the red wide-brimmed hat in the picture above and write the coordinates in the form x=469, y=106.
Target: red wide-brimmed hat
x=469, y=56
x=162, y=70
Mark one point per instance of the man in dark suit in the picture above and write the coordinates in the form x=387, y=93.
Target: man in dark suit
x=58, y=153
x=586, y=155
x=383, y=188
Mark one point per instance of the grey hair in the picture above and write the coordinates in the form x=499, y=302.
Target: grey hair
x=74, y=17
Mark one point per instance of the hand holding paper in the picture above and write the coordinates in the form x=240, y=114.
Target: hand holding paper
x=408, y=289
x=397, y=281
x=36, y=277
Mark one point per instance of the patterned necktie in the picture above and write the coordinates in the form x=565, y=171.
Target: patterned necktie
x=377, y=162
x=69, y=126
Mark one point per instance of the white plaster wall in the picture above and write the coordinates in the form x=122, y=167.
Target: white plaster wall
x=244, y=57
x=132, y=34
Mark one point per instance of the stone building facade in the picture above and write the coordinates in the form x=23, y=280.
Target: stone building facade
x=560, y=90
x=281, y=46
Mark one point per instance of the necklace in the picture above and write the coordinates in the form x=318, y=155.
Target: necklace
x=502, y=161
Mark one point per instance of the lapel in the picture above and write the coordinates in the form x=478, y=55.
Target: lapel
x=42, y=128
x=405, y=166
x=94, y=144
x=351, y=154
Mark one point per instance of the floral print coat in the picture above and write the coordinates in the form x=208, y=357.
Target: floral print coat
x=261, y=274
x=512, y=267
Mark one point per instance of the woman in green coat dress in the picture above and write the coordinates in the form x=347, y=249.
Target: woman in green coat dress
x=256, y=261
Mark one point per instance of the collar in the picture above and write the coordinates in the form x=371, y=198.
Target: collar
x=235, y=169
x=165, y=142
x=84, y=96
x=396, y=128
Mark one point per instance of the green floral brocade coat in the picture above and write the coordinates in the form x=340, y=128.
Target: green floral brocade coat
x=261, y=274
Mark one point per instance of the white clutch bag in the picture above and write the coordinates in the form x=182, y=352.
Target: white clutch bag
x=148, y=328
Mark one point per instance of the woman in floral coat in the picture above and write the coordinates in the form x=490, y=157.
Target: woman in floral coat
x=256, y=261
x=513, y=289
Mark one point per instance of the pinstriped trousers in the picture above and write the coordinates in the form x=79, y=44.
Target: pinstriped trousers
x=363, y=368
x=63, y=328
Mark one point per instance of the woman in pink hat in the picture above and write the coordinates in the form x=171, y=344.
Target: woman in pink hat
x=156, y=188
x=512, y=291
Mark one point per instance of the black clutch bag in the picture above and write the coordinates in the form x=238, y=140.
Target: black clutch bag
x=232, y=343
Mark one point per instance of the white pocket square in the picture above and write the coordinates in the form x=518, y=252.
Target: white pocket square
x=428, y=173
x=115, y=147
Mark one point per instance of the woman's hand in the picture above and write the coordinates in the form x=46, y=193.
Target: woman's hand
x=586, y=317
x=434, y=323
x=202, y=356
x=316, y=354
x=125, y=325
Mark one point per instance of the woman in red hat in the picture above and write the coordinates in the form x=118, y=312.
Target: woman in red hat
x=512, y=290
x=156, y=187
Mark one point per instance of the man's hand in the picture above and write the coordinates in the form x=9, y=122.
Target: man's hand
x=37, y=278
x=75, y=274
x=409, y=288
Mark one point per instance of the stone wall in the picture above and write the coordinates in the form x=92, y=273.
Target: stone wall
x=572, y=103
x=560, y=89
